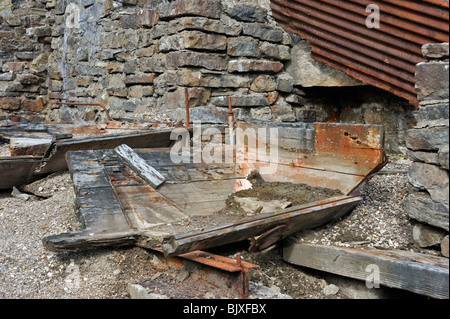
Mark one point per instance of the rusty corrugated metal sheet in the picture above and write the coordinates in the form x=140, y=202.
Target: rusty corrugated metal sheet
x=385, y=57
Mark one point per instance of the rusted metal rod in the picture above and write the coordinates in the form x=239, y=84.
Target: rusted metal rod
x=88, y=104
x=186, y=95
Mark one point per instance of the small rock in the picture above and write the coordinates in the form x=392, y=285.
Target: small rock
x=18, y=194
x=444, y=247
x=427, y=236
x=330, y=290
x=138, y=292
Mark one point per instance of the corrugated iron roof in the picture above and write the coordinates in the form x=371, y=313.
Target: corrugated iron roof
x=385, y=57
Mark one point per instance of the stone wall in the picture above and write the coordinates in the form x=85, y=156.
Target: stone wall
x=428, y=143
x=138, y=56
x=24, y=51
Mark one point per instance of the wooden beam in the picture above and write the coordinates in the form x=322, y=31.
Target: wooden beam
x=139, y=166
x=418, y=273
x=296, y=218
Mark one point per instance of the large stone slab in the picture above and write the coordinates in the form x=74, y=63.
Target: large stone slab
x=203, y=24
x=421, y=207
x=309, y=73
x=179, y=8
x=252, y=65
x=193, y=40
x=431, y=178
x=249, y=100
x=427, y=139
x=188, y=77
x=210, y=61
x=432, y=80
x=243, y=47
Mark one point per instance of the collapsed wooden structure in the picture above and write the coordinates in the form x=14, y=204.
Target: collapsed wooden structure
x=38, y=149
x=116, y=206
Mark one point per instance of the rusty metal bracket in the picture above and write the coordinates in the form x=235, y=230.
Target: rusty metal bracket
x=219, y=271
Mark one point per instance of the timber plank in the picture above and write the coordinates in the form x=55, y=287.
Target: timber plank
x=18, y=170
x=296, y=218
x=55, y=159
x=139, y=166
x=421, y=274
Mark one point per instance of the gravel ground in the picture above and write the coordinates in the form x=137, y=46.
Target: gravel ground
x=28, y=271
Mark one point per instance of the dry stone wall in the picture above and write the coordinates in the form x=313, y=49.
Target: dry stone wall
x=24, y=51
x=137, y=57
x=428, y=143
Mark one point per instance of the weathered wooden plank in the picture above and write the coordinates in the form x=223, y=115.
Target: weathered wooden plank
x=421, y=274
x=36, y=146
x=296, y=218
x=81, y=240
x=55, y=159
x=200, y=198
x=17, y=170
x=353, y=149
x=145, y=207
x=139, y=166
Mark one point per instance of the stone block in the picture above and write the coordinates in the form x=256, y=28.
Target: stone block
x=443, y=157
x=10, y=103
x=420, y=206
x=197, y=97
x=193, y=40
x=243, y=47
x=432, y=113
x=128, y=21
x=144, y=78
x=248, y=100
x=248, y=12
x=179, y=8
x=444, y=247
x=253, y=65
x=263, y=83
x=261, y=113
x=435, y=51
x=29, y=79
x=282, y=112
x=427, y=139
x=307, y=72
x=295, y=99
x=17, y=67
x=275, y=51
x=208, y=114
x=9, y=76
x=147, y=17
x=285, y=82
x=139, y=91
x=431, y=178
x=425, y=157
x=179, y=59
x=35, y=106
x=432, y=80
x=263, y=32
x=203, y=24
x=152, y=64
x=188, y=77
x=427, y=236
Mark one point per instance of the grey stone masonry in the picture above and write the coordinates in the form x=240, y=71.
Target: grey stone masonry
x=428, y=141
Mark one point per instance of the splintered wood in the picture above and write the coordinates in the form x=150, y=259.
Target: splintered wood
x=139, y=166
